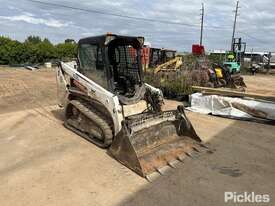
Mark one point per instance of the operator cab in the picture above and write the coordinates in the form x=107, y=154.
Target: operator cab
x=160, y=56
x=114, y=62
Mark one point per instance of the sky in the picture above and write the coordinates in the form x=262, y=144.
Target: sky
x=255, y=24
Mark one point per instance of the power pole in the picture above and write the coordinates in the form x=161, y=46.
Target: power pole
x=202, y=19
x=234, y=27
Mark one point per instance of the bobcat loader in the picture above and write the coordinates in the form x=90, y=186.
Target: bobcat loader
x=106, y=101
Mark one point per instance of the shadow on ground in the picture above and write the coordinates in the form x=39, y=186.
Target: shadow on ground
x=243, y=160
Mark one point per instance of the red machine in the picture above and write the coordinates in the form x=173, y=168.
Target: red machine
x=197, y=49
x=145, y=55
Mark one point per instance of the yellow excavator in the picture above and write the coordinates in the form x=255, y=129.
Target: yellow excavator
x=172, y=65
x=164, y=60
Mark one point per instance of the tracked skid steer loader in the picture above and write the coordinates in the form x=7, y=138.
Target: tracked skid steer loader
x=106, y=101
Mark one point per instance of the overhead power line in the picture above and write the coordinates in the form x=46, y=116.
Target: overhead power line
x=254, y=38
x=129, y=17
x=106, y=13
x=113, y=14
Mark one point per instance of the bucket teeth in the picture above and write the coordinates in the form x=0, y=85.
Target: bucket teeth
x=149, y=145
x=204, y=146
x=173, y=163
x=196, y=149
x=181, y=158
x=152, y=177
x=189, y=154
x=163, y=170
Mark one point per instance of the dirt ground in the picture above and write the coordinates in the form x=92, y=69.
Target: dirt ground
x=262, y=84
x=42, y=163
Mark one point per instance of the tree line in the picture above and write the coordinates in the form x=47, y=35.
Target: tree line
x=34, y=50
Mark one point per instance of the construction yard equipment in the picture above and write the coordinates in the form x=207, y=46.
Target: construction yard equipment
x=231, y=63
x=222, y=77
x=171, y=65
x=160, y=55
x=164, y=60
x=234, y=58
x=215, y=75
x=107, y=102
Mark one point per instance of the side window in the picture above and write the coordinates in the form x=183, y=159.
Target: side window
x=91, y=63
x=170, y=55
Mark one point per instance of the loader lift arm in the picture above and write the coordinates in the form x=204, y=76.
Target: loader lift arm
x=96, y=92
x=90, y=89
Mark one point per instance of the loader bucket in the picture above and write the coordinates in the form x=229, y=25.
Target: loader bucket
x=147, y=143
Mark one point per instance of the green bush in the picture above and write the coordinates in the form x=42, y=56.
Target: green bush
x=172, y=84
x=34, y=50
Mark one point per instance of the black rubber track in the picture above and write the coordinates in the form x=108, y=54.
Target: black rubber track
x=94, y=116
